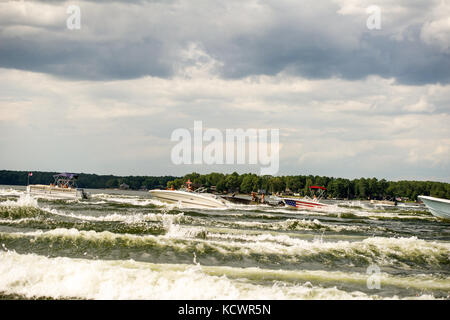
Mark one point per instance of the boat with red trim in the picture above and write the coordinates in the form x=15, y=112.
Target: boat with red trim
x=307, y=202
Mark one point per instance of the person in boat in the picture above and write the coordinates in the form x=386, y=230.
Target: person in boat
x=262, y=197
x=189, y=185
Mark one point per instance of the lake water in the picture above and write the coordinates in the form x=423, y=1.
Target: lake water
x=125, y=245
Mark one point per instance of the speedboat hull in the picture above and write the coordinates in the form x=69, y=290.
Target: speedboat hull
x=438, y=207
x=54, y=192
x=189, y=199
x=302, y=203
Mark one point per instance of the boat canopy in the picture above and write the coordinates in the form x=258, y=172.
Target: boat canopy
x=66, y=175
x=317, y=187
x=65, y=180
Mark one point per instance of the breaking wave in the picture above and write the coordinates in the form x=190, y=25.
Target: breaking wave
x=34, y=276
x=266, y=249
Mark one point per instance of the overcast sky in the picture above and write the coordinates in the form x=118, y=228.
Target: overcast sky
x=348, y=101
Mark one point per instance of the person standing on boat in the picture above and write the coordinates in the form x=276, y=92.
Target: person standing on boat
x=189, y=185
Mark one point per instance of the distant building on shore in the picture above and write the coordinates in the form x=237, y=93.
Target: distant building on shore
x=124, y=186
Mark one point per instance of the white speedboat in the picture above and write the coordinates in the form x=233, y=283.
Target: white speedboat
x=438, y=207
x=64, y=187
x=189, y=199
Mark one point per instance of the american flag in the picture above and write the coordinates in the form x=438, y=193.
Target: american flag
x=291, y=203
x=302, y=204
x=30, y=174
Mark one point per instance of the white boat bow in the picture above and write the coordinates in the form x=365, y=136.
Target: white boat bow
x=438, y=207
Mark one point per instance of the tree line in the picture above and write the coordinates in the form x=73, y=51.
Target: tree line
x=86, y=180
x=363, y=188
x=340, y=188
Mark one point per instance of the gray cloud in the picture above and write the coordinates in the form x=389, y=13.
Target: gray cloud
x=348, y=101
x=119, y=40
x=79, y=60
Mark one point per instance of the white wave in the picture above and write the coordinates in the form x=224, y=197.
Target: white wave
x=18, y=221
x=25, y=200
x=36, y=276
x=383, y=251
x=174, y=230
x=130, y=218
x=364, y=211
x=133, y=200
x=266, y=237
x=373, y=214
x=10, y=192
x=94, y=202
x=418, y=281
x=376, y=215
x=113, y=196
x=297, y=224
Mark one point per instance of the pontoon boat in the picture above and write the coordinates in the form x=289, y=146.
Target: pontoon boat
x=64, y=187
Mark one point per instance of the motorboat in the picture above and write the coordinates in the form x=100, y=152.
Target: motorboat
x=307, y=202
x=438, y=207
x=189, y=198
x=253, y=200
x=64, y=187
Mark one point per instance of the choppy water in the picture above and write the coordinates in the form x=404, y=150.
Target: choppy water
x=129, y=246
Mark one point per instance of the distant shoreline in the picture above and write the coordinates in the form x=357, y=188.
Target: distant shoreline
x=337, y=188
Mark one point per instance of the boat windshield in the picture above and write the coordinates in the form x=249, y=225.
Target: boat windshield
x=317, y=192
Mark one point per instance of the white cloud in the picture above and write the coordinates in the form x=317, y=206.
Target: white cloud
x=329, y=127
x=437, y=33
x=29, y=13
x=196, y=63
x=421, y=106
x=435, y=30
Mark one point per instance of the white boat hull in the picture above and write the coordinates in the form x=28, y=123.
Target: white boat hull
x=189, y=199
x=54, y=192
x=438, y=207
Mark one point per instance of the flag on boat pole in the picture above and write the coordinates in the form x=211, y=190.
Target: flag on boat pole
x=29, y=175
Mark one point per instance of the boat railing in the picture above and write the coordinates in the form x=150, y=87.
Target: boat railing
x=201, y=190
